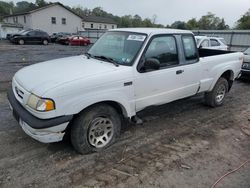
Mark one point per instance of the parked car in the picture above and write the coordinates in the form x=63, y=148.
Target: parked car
x=245, y=71
x=56, y=36
x=31, y=37
x=216, y=43
x=125, y=71
x=63, y=39
x=9, y=36
x=78, y=41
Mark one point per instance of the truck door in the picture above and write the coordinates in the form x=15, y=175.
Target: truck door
x=173, y=80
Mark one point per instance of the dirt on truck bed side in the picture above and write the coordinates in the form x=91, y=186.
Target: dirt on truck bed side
x=181, y=144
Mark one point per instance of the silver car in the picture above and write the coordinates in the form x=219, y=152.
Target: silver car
x=246, y=65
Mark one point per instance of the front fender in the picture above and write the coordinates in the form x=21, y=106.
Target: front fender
x=79, y=103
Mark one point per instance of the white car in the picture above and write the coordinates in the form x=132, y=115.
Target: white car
x=125, y=71
x=245, y=72
x=215, y=43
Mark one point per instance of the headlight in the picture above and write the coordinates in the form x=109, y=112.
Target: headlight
x=245, y=66
x=39, y=104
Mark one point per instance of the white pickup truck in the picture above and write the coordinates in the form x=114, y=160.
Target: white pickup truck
x=125, y=71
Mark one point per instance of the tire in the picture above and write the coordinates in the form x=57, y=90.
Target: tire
x=21, y=42
x=45, y=42
x=88, y=129
x=216, y=97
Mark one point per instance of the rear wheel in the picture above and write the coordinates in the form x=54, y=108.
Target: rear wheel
x=95, y=129
x=217, y=95
x=21, y=42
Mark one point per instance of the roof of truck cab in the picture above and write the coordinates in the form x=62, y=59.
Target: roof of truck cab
x=153, y=31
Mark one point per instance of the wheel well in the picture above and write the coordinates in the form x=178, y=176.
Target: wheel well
x=120, y=109
x=229, y=76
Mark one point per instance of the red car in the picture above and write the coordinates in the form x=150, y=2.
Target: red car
x=78, y=41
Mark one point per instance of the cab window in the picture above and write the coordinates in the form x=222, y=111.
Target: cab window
x=205, y=44
x=214, y=42
x=164, y=49
x=190, y=49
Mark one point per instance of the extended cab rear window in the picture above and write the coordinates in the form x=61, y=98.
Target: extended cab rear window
x=190, y=49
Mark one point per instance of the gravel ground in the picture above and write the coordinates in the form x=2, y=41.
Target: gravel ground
x=181, y=144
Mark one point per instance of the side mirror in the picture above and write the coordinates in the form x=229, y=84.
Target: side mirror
x=152, y=64
x=27, y=34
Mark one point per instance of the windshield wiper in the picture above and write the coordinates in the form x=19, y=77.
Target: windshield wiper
x=109, y=59
x=88, y=55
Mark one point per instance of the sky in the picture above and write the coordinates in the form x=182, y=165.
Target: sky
x=167, y=11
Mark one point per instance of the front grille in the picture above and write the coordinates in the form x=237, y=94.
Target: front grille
x=19, y=92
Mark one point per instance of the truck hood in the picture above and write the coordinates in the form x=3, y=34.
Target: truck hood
x=41, y=77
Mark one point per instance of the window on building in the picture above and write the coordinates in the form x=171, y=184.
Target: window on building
x=113, y=26
x=92, y=26
x=83, y=25
x=105, y=26
x=24, y=19
x=15, y=19
x=53, y=20
x=100, y=26
x=64, y=21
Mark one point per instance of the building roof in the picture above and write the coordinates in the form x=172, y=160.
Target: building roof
x=153, y=31
x=98, y=19
x=42, y=8
x=90, y=18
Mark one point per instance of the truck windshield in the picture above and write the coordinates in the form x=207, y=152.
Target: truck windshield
x=121, y=47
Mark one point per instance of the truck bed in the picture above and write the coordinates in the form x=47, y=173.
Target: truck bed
x=210, y=52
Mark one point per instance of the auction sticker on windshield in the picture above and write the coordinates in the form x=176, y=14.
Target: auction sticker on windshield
x=136, y=37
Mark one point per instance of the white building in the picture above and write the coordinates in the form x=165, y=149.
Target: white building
x=55, y=17
x=8, y=28
x=52, y=18
x=96, y=23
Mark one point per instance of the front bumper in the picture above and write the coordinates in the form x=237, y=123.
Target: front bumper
x=43, y=130
x=245, y=73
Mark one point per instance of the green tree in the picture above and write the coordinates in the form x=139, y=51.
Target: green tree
x=222, y=25
x=98, y=11
x=244, y=21
x=82, y=11
x=210, y=21
x=137, y=21
x=147, y=23
x=192, y=24
x=179, y=25
x=41, y=3
x=126, y=21
x=24, y=6
x=6, y=8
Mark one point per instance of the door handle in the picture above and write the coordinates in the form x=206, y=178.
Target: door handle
x=179, y=71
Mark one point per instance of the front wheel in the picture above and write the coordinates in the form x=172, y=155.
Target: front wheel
x=95, y=129
x=45, y=42
x=216, y=97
